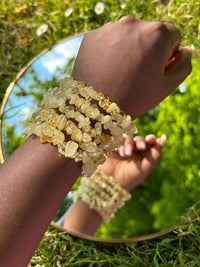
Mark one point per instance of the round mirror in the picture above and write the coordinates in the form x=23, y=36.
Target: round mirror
x=165, y=197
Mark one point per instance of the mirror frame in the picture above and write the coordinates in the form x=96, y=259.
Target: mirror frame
x=64, y=230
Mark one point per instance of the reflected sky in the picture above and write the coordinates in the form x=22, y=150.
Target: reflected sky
x=140, y=212
x=19, y=107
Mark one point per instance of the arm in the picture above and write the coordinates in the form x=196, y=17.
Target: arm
x=33, y=183
x=36, y=175
x=141, y=56
x=129, y=166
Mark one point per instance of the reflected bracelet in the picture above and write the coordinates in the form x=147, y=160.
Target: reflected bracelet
x=83, y=124
x=101, y=193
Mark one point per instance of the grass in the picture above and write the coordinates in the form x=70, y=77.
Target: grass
x=179, y=248
x=19, y=43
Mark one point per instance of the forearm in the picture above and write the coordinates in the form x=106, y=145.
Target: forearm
x=80, y=218
x=33, y=184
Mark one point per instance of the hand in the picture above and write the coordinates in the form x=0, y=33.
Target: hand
x=134, y=160
x=136, y=63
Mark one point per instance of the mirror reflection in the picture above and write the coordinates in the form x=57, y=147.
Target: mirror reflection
x=166, y=196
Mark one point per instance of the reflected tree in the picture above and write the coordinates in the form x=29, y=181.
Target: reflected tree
x=174, y=186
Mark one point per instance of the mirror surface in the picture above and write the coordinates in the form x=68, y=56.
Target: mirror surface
x=171, y=189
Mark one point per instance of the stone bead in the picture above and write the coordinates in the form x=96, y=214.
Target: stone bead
x=89, y=168
x=76, y=100
x=115, y=130
x=98, y=128
x=36, y=117
x=101, y=192
x=86, y=137
x=58, y=137
x=79, y=156
x=88, y=147
x=101, y=159
x=61, y=122
x=70, y=112
x=70, y=148
x=89, y=112
x=85, y=107
x=84, y=123
x=92, y=132
x=108, y=125
x=77, y=135
x=126, y=121
x=30, y=128
x=44, y=114
x=105, y=119
x=113, y=108
x=53, y=120
x=70, y=126
x=43, y=139
x=78, y=116
x=38, y=130
x=83, y=92
x=53, y=102
x=73, y=101
x=95, y=113
x=61, y=148
x=92, y=93
x=97, y=140
x=47, y=129
x=104, y=102
x=62, y=105
x=105, y=139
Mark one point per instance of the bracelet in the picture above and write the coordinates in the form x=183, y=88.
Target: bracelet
x=101, y=193
x=83, y=124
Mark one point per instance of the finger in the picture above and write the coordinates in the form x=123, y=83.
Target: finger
x=168, y=37
x=121, y=151
x=150, y=139
x=173, y=34
x=154, y=154
x=140, y=143
x=161, y=140
x=179, y=69
x=128, y=146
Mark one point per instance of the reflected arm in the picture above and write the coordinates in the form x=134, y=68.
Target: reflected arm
x=35, y=179
x=132, y=163
x=81, y=219
x=28, y=197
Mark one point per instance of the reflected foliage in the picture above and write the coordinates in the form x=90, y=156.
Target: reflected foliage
x=11, y=144
x=28, y=91
x=174, y=186
x=161, y=200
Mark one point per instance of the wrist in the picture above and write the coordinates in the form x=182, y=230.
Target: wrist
x=83, y=124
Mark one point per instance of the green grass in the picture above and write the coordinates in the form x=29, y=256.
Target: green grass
x=19, y=44
x=179, y=248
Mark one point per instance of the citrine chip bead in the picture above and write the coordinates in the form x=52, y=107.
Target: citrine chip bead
x=70, y=148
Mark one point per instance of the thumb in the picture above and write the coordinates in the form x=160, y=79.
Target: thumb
x=179, y=68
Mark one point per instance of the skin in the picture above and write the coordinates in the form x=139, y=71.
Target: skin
x=130, y=165
x=35, y=179
x=135, y=53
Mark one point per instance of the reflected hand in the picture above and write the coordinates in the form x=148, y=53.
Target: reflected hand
x=134, y=160
x=136, y=63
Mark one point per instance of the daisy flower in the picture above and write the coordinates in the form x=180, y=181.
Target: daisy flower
x=99, y=8
x=41, y=29
x=68, y=12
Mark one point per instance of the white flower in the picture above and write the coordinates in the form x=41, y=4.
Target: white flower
x=68, y=12
x=41, y=29
x=99, y=8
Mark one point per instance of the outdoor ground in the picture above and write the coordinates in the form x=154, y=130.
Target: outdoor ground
x=19, y=43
